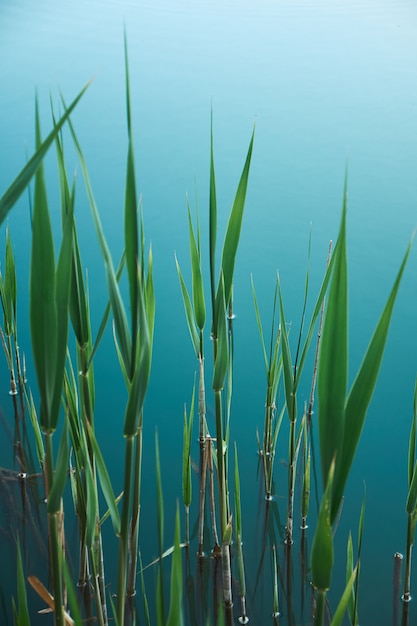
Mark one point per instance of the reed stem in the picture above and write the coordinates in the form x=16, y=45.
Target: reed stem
x=320, y=607
x=124, y=531
x=54, y=537
x=407, y=577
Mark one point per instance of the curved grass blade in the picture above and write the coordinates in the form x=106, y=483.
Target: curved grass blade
x=333, y=361
x=105, y=481
x=13, y=193
x=22, y=613
x=196, y=277
x=189, y=313
x=322, y=549
x=222, y=357
x=234, y=227
x=175, y=613
x=213, y=229
x=362, y=390
x=344, y=601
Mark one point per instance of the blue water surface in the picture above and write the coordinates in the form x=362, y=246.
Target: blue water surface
x=330, y=86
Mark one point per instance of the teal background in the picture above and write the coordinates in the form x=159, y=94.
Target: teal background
x=327, y=83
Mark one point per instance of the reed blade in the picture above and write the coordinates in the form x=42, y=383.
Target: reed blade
x=362, y=390
x=333, y=361
x=17, y=187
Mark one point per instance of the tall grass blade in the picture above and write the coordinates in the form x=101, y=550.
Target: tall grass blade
x=175, y=613
x=213, y=228
x=22, y=614
x=322, y=549
x=362, y=390
x=234, y=225
x=189, y=313
x=196, y=276
x=344, y=601
x=333, y=361
x=105, y=481
x=13, y=193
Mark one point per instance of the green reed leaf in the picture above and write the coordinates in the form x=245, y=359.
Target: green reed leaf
x=175, y=613
x=73, y=601
x=62, y=294
x=222, y=353
x=43, y=314
x=141, y=373
x=78, y=307
x=10, y=289
x=22, y=613
x=344, y=601
x=333, y=360
x=15, y=190
x=132, y=245
x=234, y=225
x=349, y=570
x=322, y=549
x=196, y=277
x=213, y=230
x=90, y=511
x=119, y=314
x=290, y=398
x=259, y=323
x=105, y=482
x=362, y=390
x=106, y=314
x=60, y=476
x=189, y=313
x=315, y=315
x=186, y=459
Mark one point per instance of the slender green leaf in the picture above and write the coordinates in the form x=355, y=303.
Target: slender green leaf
x=189, y=314
x=344, y=601
x=322, y=549
x=362, y=390
x=43, y=314
x=186, y=461
x=222, y=357
x=333, y=360
x=316, y=313
x=197, y=278
x=105, y=481
x=13, y=193
x=234, y=227
x=258, y=321
x=23, y=618
x=60, y=476
x=62, y=293
x=290, y=397
x=213, y=230
x=175, y=613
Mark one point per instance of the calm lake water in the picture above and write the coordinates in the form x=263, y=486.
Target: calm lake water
x=327, y=83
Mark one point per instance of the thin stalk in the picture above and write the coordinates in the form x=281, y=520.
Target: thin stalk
x=216, y=548
x=407, y=577
x=203, y=481
x=291, y=484
x=320, y=608
x=133, y=550
x=54, y=537
x=220, y=461
x=398, y=561
x=226, y=569
x=124, y=531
